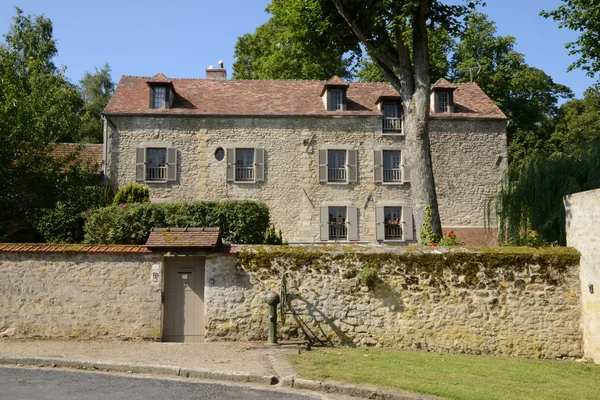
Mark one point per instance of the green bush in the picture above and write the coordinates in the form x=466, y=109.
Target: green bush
x=368, y=276
x=240, y=221
x=64, y=223
x=132, y=193
x=274, y=236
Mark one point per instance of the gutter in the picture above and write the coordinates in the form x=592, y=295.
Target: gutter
x=105, y=147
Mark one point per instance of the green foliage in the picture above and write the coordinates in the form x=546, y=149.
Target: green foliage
x=368, y=276
x=96, y=89
x=528, y=96
x=132, y=193
x=581, y=16
x=276, y=51
x=532, y=198
x=38, y=107
x=274, y=236
x=450, y=240
x=428, y=236
x=240, y=221
x=64, y=223
x=441, y=44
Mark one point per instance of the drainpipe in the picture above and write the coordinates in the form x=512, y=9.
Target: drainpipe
x=105, y=149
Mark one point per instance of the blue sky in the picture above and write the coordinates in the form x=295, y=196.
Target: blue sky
x=182, y=38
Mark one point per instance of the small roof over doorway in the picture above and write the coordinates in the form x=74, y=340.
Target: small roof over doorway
x=184, y=238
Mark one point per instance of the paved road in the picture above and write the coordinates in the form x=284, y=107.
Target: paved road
x=38, y=384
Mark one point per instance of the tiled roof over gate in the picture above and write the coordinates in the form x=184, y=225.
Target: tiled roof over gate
x=277, y=98
x=184, y=238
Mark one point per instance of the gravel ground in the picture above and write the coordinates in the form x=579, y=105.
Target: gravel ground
x=219, y=356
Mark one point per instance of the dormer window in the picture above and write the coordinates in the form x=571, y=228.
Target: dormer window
x=337, y=100
x=161, y=91
x=443, y=102
x=159, y=94
x=334, y=94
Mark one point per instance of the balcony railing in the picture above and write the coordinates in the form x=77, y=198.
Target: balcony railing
x=156, y=173
x=244, y=174
x=337, y=175
x=391, y=175
x=392, y=125
x=393, y=231
x=337, y=231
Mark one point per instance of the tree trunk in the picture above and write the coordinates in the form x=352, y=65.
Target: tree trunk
x=416, y=127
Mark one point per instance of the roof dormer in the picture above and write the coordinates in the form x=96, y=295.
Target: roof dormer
x=334, y=94
x=161, y=91
x=442, y=97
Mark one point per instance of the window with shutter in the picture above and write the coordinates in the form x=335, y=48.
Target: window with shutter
x=405, y=169
x=407, y=223
x=378, y=166
x=244, y=165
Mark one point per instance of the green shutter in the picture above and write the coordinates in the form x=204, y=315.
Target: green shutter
x=323, y=166
x=171, y=164
x=324, y=223
x=407, y=223
x=140, y=164
x=352, y=165
x=230, y=159
x=379, y=223
x=352, y=222
x=378, y=166
x=259, y=165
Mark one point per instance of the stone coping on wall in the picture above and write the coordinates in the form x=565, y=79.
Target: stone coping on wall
x=70, y=248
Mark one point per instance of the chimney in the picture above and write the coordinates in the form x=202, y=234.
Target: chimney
x=216, y=73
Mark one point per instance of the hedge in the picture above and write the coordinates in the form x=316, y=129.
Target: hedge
x=240, y=221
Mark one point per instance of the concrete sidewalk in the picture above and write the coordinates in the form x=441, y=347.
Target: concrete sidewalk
x=240, y=362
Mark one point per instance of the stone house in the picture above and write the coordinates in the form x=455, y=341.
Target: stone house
x=328, y=157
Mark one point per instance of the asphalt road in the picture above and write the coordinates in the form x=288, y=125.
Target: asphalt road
x=37, y=384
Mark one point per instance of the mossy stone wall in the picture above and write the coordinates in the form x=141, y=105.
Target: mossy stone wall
x=503, y=301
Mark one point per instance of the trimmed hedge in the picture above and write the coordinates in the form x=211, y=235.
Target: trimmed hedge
x=240, y=221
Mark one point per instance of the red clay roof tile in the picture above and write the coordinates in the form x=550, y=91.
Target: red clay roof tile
x=90, y=154
x=69, y=248
x=184, y=237
x=276, y=97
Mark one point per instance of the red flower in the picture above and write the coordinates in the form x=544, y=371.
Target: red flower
x=434, y=244
x=355, y=244
x=125, y=206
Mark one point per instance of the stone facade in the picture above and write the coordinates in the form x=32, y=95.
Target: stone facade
x=429, y=301
x=469, y=157
x=583, y=233
x=80, y=295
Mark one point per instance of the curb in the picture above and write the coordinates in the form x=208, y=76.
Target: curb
x=239, y=377
x=353, y=390
x=290, y=381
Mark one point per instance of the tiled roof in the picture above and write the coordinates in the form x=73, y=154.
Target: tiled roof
x=90, y=154
x=69, y=248
x=443, y=83
x=159, y=78
x=183, y=237
x=275, y=97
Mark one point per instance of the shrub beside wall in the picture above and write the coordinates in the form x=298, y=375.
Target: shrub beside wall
x=240, y=221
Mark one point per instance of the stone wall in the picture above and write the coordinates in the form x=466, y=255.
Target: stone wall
x=514, y=302
x=79, y=294
x=583, y=233
x=469, y=161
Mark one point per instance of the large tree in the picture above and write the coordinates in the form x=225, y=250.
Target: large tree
x=276, y=51
x=38, y=107
x=527, y=95
x=387, y=30
x=96, y=89
x=581, y=16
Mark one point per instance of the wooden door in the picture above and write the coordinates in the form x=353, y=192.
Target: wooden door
x=183, y=305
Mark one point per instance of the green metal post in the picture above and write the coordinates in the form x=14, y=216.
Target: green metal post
x=272, y=301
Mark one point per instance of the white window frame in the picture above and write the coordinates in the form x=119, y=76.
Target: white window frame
x=245, y=169
x=337, y=94
x=397, y=170
x=443, y=102
x=159, y=102
x=156, y=173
